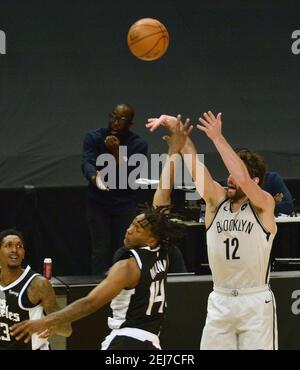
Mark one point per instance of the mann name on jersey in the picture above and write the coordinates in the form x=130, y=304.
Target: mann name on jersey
x=159, y=266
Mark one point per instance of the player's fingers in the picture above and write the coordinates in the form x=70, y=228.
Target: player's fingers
x=207, y=118
x=21, y=335
x=187, y=124
x=27, y=339
x=190, y=129
x=205, y=123
x=44, y=334
x=16, y=329
x=211, y=115
x=202, y=128
x=152, y=126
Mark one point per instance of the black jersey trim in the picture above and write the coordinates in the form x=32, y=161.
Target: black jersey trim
x=218, y=208
x=137, y=257
x=240, y=209
x=274, y=320
x=268, y=233
x=268, y=269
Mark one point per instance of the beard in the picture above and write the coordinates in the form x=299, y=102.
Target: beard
x=236, y=195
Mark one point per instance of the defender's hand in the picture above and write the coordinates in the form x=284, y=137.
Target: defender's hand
x=178, y=138
x=169, y=122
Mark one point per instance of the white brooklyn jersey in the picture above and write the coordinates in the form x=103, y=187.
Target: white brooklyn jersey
x=238, y=248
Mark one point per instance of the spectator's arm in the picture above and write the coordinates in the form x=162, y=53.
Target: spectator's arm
x=286, y=206
x=88, y=158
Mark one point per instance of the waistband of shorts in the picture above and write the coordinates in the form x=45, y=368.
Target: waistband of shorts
x=242, y=291
x=139, y=334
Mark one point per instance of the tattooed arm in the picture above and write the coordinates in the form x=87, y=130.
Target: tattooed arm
x=41, y=290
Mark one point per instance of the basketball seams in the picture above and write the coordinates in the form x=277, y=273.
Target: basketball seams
x=154, y=23
x=154, y=46
x=144, y=25
x=148, y=39
x=166, y=38
x=145, y=37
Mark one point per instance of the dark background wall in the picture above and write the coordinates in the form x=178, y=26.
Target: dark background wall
x=67, y=64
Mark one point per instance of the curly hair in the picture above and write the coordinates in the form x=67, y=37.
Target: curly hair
x=255, y=164
x=165, y=226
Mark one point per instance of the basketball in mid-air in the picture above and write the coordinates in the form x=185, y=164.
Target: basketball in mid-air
x=148, y=39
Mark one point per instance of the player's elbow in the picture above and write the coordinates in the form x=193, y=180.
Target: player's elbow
x=64, y=330
x=161, y=201
x=68, y=330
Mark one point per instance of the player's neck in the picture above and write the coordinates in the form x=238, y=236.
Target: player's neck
x=237, y=203
x=8, y=276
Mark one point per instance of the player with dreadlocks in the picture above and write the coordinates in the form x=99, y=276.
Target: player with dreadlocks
x=135, y=284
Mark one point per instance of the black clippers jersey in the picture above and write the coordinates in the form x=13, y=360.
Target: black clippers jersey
x=14, y=307
x=144, y=306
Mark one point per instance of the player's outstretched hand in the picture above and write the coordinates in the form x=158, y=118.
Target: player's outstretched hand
x=169, y=122
x=179, y=135
x=25, y=329
x=211, y=125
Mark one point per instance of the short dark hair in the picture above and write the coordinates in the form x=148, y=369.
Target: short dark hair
x=255, y=164
x=5, y=233
x=128, y=108
x=164, y=225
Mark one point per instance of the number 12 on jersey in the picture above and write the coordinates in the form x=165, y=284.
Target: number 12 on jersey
x=157, y=294
x=234, y=243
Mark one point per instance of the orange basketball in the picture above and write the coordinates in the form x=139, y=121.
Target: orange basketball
x=148, y=39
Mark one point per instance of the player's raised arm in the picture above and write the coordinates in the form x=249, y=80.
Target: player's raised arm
x=175, y=142
x=209, y=190
x=212, y=126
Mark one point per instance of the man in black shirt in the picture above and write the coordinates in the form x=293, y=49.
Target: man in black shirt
x=111, y=208
x=135, y=284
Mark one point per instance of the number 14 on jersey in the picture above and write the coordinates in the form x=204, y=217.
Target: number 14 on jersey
x=157, y=294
